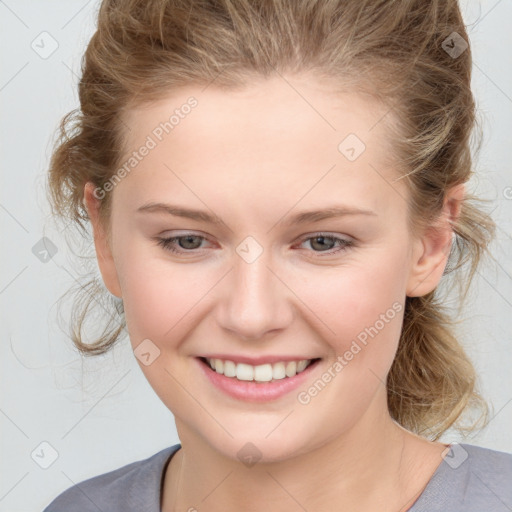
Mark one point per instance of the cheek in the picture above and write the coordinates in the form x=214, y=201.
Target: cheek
x=360, y=313
x=359, y=307
x=162, y=303
x=161, y=298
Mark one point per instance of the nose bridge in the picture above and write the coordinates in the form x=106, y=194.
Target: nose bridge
x=256, y=301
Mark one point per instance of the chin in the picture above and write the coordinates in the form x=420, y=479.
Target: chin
x=261, y=443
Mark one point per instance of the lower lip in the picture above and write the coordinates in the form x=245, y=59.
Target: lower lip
x=252, y=391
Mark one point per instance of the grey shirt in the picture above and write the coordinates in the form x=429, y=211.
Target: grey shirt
x=469, y=479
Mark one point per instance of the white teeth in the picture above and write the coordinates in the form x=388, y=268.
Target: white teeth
x=219, y=366
x=260, y=373
x=301, y=365
x=278, y=371
x=244, y=371
x=291, y=368
x=263, y=373
x=229, y=369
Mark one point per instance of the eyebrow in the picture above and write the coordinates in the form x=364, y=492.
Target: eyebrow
x=299, y=218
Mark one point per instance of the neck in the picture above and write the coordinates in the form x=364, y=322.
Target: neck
x=374, y=465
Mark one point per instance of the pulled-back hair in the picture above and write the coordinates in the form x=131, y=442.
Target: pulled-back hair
x=410, y=55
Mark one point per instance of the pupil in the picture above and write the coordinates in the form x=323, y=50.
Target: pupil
x=322, y=239
x=187, y=240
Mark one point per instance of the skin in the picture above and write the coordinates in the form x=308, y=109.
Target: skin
x=254, y=157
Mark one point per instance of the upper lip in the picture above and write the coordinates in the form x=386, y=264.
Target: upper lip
x=255, y=361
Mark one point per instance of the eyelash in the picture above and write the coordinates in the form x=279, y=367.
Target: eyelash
x=168, y=243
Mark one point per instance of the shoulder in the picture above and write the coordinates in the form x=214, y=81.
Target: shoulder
x=136, y=486
x=470, y=479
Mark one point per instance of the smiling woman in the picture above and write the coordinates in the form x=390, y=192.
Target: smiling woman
x=278, y=252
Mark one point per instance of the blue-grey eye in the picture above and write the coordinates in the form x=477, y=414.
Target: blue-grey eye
x=322, y=245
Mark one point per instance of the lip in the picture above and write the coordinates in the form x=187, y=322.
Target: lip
x=251, y=391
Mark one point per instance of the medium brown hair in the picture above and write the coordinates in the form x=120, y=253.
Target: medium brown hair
x=394, y=51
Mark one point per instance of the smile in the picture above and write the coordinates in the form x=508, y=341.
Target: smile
x=256, y=383
x=260, y=373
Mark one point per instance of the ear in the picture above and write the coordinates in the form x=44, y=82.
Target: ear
x=101, y=242
x=431, y=250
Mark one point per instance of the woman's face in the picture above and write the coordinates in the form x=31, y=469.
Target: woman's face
x=252, y=280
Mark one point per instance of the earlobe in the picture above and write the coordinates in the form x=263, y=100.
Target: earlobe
x=103, y=251
x=431, y=251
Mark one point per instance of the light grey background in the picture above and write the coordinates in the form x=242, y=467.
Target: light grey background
x=99, y=414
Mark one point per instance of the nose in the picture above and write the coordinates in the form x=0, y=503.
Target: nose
x=257, y=301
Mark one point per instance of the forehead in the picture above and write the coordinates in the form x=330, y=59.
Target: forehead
x=272, y=111
x=292, y=136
